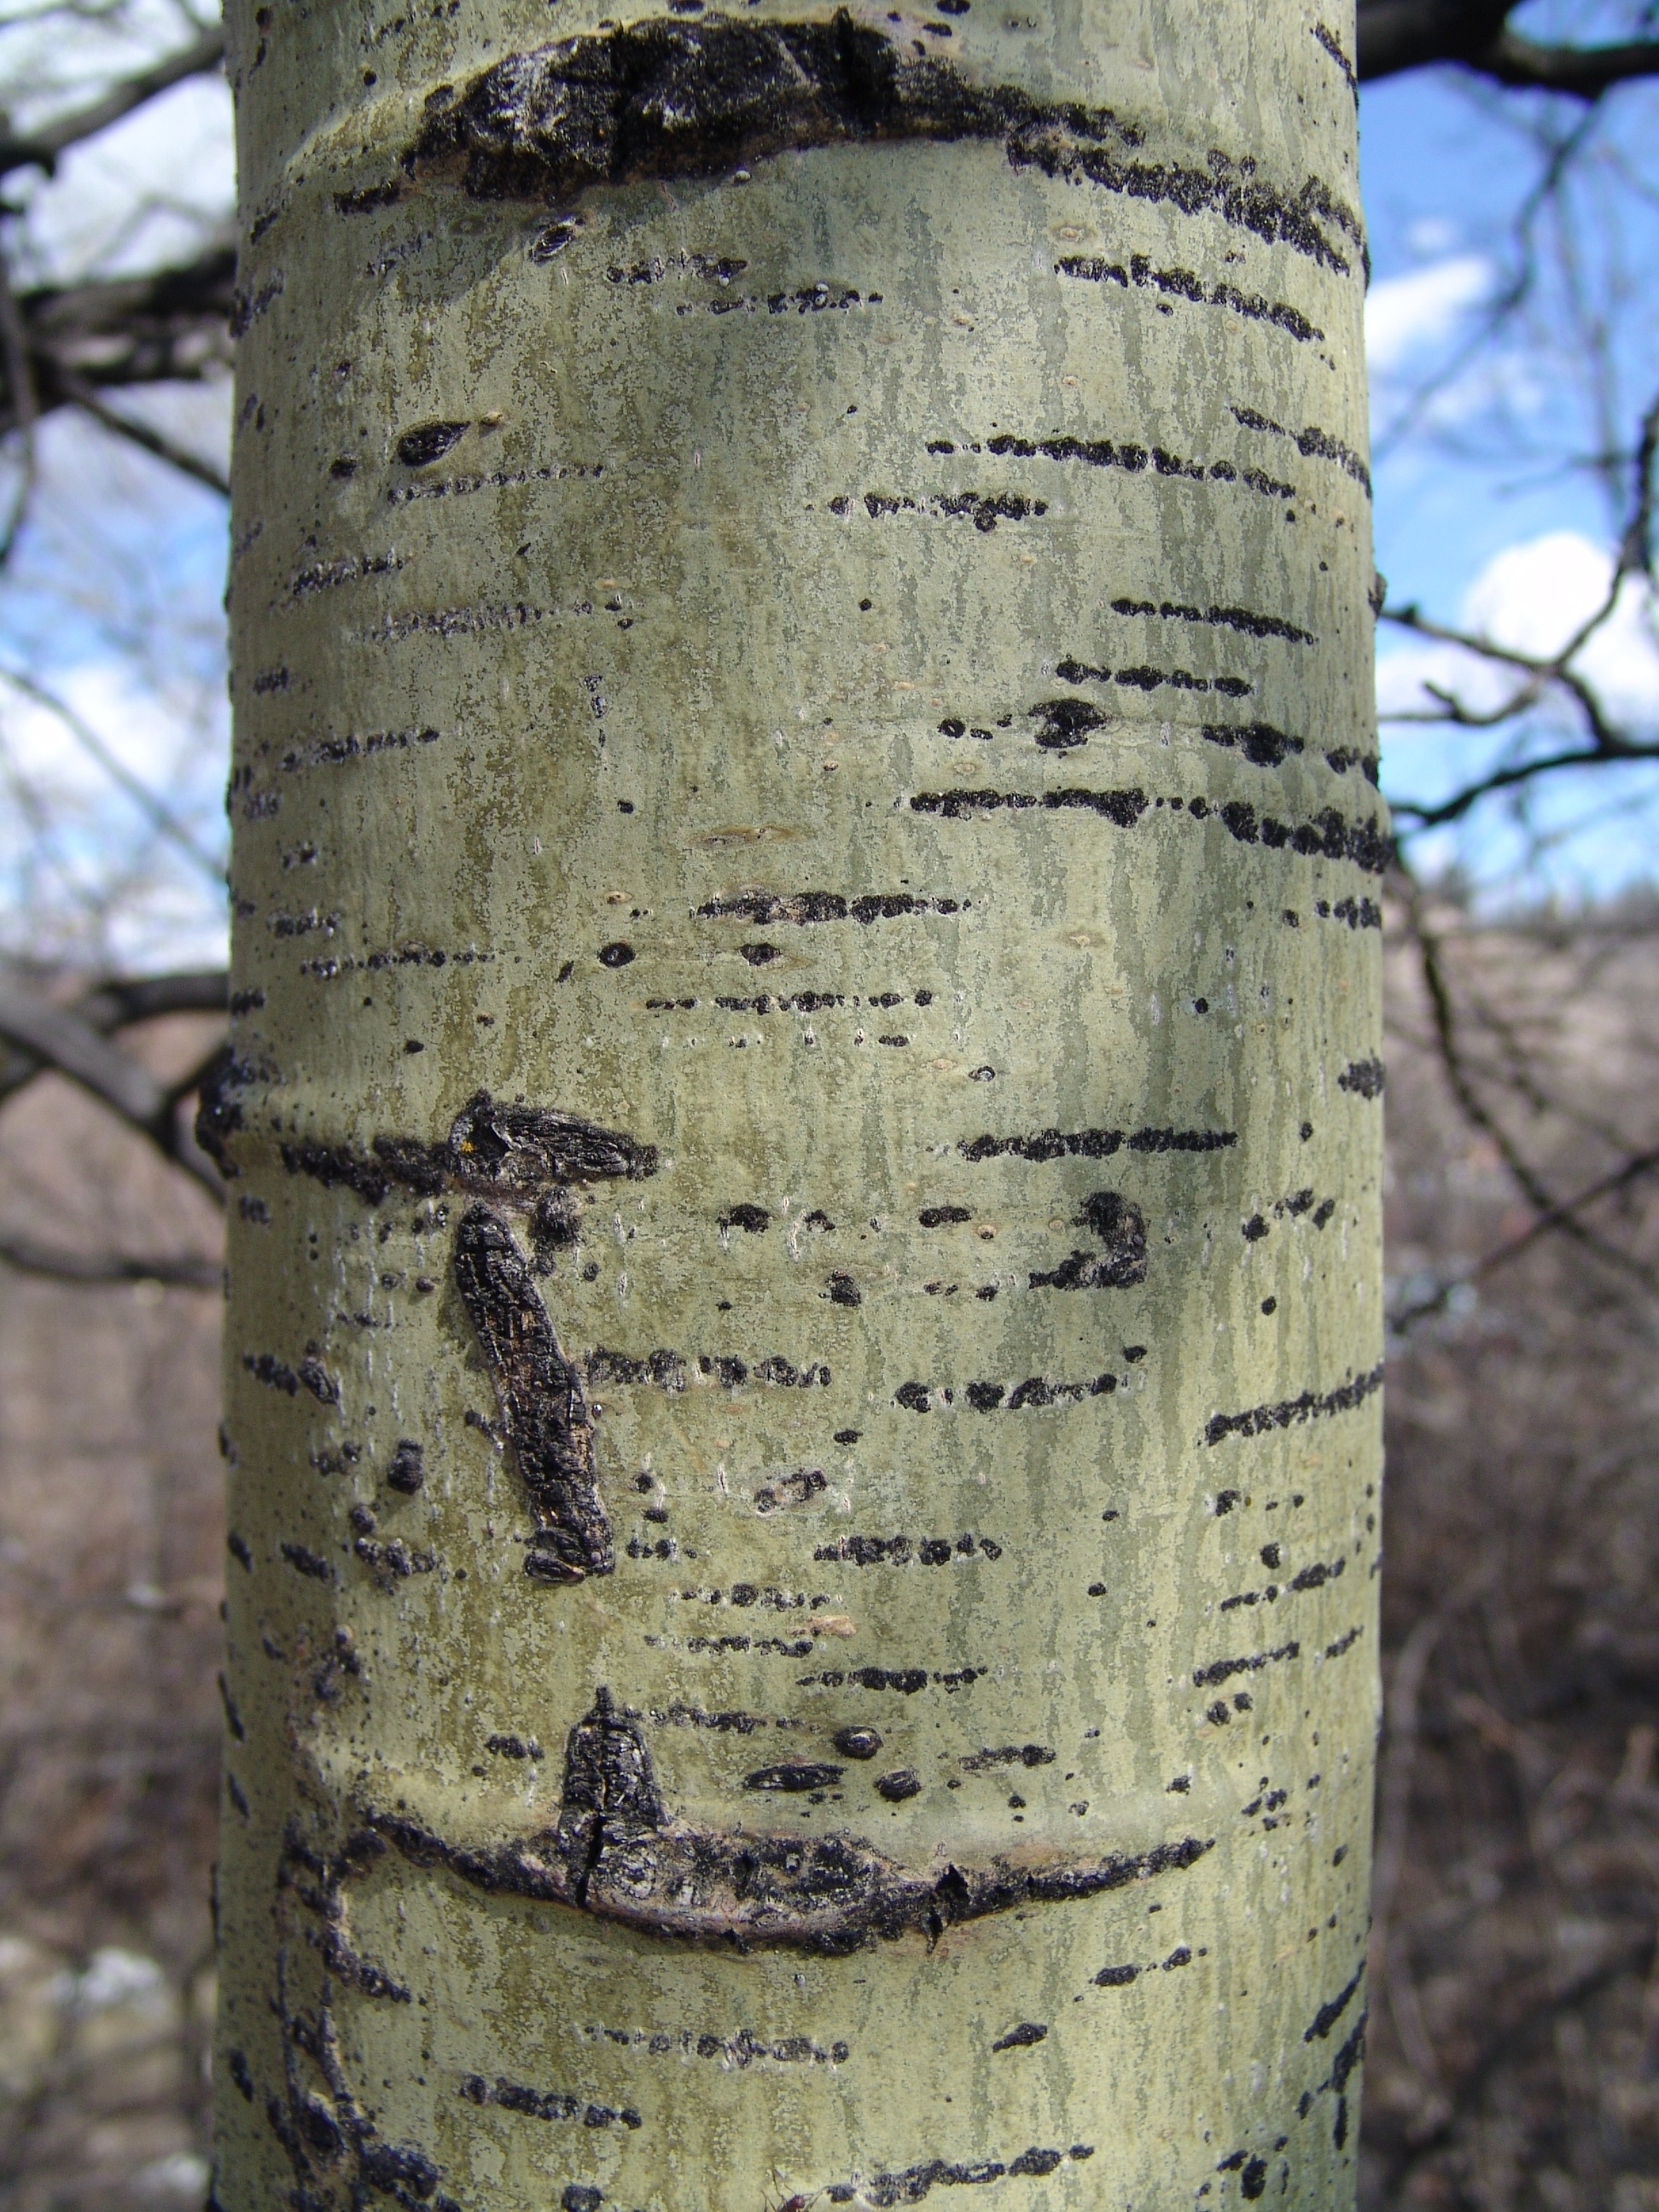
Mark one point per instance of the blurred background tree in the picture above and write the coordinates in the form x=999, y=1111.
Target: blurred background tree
x=1512, y=191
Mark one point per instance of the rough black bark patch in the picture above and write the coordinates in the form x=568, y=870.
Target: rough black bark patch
x=1121, y=1228
x=520, y=1154
x=659, y=99
x=544, y=1409
x=616, y=1853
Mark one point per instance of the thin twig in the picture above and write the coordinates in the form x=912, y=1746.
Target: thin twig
x=141, y=434
x=41, y=148
x=160, y=815
x=25, y=403
x=189, y=1270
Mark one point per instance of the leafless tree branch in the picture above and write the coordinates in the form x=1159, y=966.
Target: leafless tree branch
x=1395, y=35
x=63, y=1039
x=142, y=434
x=41, y=148
x=184, y=1270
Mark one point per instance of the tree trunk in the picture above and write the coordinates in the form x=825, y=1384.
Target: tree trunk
x=804, y=1321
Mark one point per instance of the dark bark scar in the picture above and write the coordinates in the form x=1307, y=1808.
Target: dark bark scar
x=543, y=1407
x=659, y=98
x=616, y=1852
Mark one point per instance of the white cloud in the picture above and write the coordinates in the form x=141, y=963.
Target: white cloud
x=1532, y=598
x=1404, y=314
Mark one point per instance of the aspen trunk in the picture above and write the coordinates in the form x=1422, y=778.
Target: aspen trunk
x=804, y=1325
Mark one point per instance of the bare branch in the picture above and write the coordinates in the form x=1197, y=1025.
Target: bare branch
x=170, y=327
x=26, y=407
x=115, y=1003
x=160, y=815
x=1508, y=779
x=1406, y=34
x=185, y=1270
x=1551, y=1211
x=41, y=148
x=73, y=1047
x=1559, y=1216
x=141, y=434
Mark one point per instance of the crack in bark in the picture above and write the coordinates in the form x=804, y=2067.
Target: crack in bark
x=660, y=98
x=616, y=1853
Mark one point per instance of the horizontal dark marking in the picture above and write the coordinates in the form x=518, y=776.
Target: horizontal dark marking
x=430, y=442
x=1311, y=1577
x=1239, y=619
x=1010, y=1755
x=658, y=99
x=347, y=568
x=1125, y=808
x=1327, y=836
x=393, y=1561
x=549, y=2105
x=899, y=1550
x=1343, y=758
x=741, y=2050
x=513, y=1746
x=1290, y=1412
x=984, y=509
x=265, y=1367
x=495, y=480
x=725, y=1723
x=1187, y=284
x=712, y=270
x=332, y=751
x=513, y=1152
x=910, y=2186
x=1309, y=442
x=306, y=1563
x=1261, y=744
x=1135, y=459
x=665, y=1369
x=1095, y=1144
x=333, y=964
x=1359, y=914
x=1343, y=1643
x=452, y=622
x=1036, y=1390
x=793, y=1777
x=805, y=907
x=1151, y=679
x=809, y=300
x=907, y=1680
x=1223, y=1670
x=799, y=1647
x=1366, y=1078
x=616, y=1853
x=1021, y=2038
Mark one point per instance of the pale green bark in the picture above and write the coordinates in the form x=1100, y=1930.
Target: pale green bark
x=682, y=627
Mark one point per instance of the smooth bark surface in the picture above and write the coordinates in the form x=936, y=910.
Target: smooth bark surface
x=804, y=1335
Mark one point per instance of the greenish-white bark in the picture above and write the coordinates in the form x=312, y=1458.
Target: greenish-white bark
x=803, y=1310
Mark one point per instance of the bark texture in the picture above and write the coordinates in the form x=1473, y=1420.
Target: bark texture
x=803, y=1119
